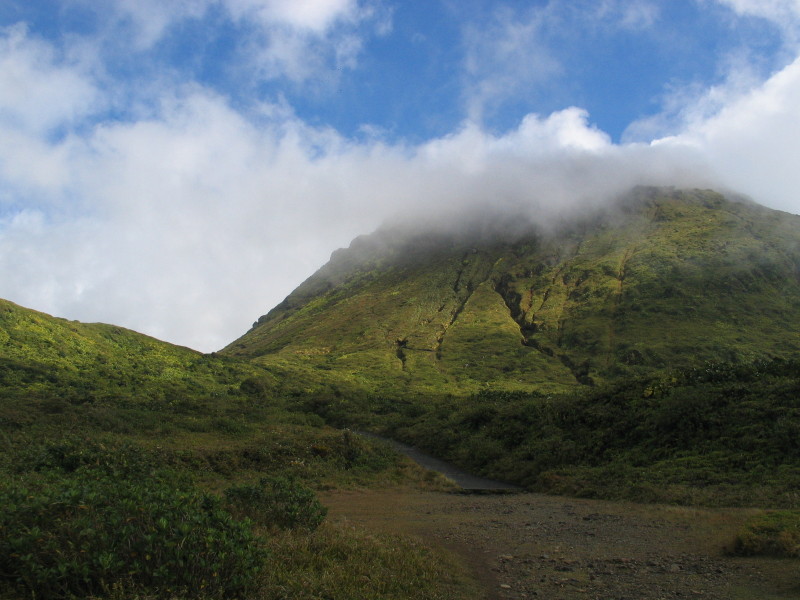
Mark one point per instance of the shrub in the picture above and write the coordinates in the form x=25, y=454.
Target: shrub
x=84, y=534
x=278, y=501
x=775, y=533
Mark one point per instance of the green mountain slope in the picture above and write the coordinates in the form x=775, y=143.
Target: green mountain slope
x=130, y=467
x=664, y=279
x=43, y=356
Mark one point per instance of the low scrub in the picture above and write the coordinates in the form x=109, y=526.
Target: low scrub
x=774, y=533
x=281, y=502
x=724, y=434
x=339, y=561
x=84, y=534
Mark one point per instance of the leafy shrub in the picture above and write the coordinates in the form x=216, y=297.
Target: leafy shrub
x=775, y=533
x=70, y=454
x=84, y=534
x=278, y=501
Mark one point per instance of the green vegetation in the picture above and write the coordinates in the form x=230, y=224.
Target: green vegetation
x=81, y=534
x=278, y=502
x=774, y=533
x=83, y=518
x=666, y=280
x=721, y=434
x=647, y=353
x=133, y=468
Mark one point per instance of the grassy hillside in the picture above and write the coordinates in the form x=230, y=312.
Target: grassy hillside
x=646, y=352
x=133, y=468
x=663, y=280
x=46, y=357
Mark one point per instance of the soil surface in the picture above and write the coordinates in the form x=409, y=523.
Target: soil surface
x=525, y=545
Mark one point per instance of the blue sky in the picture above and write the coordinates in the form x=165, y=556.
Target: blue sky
x=179, y=167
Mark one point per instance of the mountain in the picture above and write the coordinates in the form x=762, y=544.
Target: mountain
x=47, y=358
x=646, y=349
x=661, y=279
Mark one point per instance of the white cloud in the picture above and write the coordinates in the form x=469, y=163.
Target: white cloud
x=192, y=220
x=38, y=89
x=520, y=54
x=775, y=10
x=784, y=14
x=684, y=106
x=505, y=58
x=316, y=16
x=140, y=24
x=628, y=14
x=305, y=39
x=753, y=142
x=302, y=40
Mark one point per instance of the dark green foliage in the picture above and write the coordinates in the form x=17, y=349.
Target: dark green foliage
x=278, y=501
x=70, y=454
x=82, y=534
x=718, y=434
x=107, y=438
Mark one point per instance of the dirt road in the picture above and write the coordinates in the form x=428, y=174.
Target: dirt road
x=535, y=546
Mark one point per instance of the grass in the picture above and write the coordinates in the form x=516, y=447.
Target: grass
x=723, y=435
x=340, y=561
x=648, y=354
x=668, y=280
x=772, y=533
x=102, y=429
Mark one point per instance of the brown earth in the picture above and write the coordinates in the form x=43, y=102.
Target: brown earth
x=536, y=546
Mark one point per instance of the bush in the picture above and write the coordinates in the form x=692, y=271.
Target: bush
x=85, y=534
x=278, y=501
x=775, y=533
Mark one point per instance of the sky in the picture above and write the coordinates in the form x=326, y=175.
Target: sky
x=179, y=167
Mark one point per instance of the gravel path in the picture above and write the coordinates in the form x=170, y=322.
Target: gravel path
x=536, y=546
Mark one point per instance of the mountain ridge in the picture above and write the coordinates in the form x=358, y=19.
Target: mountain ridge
x=665, y=279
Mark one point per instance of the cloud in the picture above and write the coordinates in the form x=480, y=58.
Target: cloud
x=752, y=142
x=633, y=15
x=305, y=39
x=301, y=40
x=40, y=90
x=515, y=55
x=190, y=219
x=190, y=223
x=139, y=25
x=504, y=58
x=686, y=105
x=316, y=16
x=774, y=10
x=783, y=14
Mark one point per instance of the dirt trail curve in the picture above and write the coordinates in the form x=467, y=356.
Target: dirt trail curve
x=536, y=546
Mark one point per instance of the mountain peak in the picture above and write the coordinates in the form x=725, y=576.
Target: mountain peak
x=657, y=279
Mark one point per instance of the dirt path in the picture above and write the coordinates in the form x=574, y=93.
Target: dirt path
x=535, y=546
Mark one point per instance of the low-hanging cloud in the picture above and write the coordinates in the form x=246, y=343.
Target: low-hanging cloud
x=193, y=219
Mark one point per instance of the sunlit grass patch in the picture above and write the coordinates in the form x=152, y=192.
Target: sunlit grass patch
x=773, y=533
x=338, y=561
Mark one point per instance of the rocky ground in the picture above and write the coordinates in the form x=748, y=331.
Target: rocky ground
x=534, y=546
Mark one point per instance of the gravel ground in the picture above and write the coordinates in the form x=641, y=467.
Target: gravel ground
x=536, y=546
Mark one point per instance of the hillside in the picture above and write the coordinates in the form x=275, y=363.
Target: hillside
x=660, y=280
x=130, y=467
x=48, y=357
x=645, y=352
